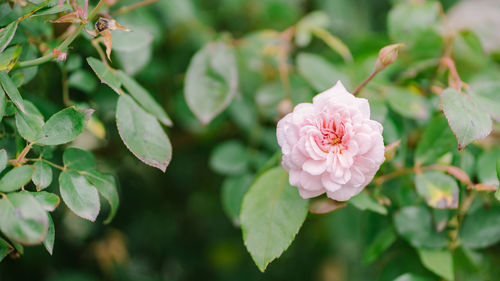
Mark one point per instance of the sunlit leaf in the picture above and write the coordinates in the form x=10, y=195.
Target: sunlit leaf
x=48, y=201
x=9, y=57
x=440, y=190
x=64, y=126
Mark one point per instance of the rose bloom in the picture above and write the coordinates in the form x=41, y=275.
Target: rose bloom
x=331, y=145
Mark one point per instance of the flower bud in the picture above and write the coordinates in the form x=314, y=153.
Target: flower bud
x=387, y=55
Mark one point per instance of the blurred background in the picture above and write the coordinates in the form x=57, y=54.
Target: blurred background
x=173, y=226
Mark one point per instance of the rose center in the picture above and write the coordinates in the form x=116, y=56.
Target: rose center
x=332, y=133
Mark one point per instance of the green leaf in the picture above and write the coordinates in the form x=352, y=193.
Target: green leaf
x=407, y=103
x=9, y=58
x=48, y=201
x=486, y=96
x=22, y=219
x=64, y=126
x=408, y=20
x=6, y=34
x=106, y=186
x=29, y=124
x=5, y=249
x=486, y=167
x=439, y=262
x=414, y=224
x=78, y=159
x=229, y=158
x=144, y=98
x=363, y=201
x=16, y=178
x=497, y=193
x=42, y=177
x=468, y=121
x=79, y=195
x=481, y=228
x=411, y=277
x=271, y=215
x=233, y=191
x=11, y=90
x=48, y=242
x=382, y=242
x=316, y=19
x=4, y=158
x=105, y=73
x=142, y=134
x=3, y=103
x=440, y=190
x=318, y=72
x=82, y=80
x=211, y=80
x=436, y=141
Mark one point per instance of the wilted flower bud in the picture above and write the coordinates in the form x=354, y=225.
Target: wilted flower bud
x=387, y=55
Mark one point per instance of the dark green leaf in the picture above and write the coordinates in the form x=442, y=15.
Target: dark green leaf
x=415, y=225
x=48, y=201
x=363, y=201
x=468, y=121
x=16, y=178
x=142, y=134
x=6, y=34
x=64, y=126
x=229, y=158
x=271, y=215
x=440, y=190
x=481, y=228
x=105, y=73
x=22, y=219
x=439, y=262
x=29, y=124
x=144, y=98
x=407, y=103
x=42, y=177
x=233, y=191
x=382, y=242
x=437, y=140
x=106, y=186
x=211, y=80
x=79, y=195
x=50, y=237
x=78, y=159
x=5, y=249
x=10, y=88
x=318, y=72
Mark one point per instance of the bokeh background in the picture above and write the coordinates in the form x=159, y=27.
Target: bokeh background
x=172, y=226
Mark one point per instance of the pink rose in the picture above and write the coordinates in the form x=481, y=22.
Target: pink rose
x=331, y=145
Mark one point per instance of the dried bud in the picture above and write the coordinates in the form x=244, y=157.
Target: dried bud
x=388, y=55
x=104, y=27
x=390, y=150
x=58, y=55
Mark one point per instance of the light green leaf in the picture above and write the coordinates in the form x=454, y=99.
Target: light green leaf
x=233, y=191
x=486, y=165
x=42, y=177
x=440, y=190
x=6, y=34
x=468, y=121
x=105, y=73
x=142, y=134
x=408, y=20
x=480, y=228
x=411, y=277
x=4, y=158
x=11, y=90
x=3, y=103
x=316, y=19
x=271, y=215
x=136, y=39
x=436, y=141
x=48, y=201
x=414, y=223
x=407, y=103
x=64, y=126
x=211, y=80
x=9, y=58
x=29, y=124
x=439, y=262
x=144, y=98
x=48, y=242
x=229, y=158
x=318, y=72
x=106, y=186
x=78, y=159
x=79, y=195
x=363, y=201
x=5, y=249
x=82, y=80
x=380, y=243
x=16, y=178
x=486, y=96
x=22, y=218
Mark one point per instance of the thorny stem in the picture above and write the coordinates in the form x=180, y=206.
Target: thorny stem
x=64, y=45
x=126, y=9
